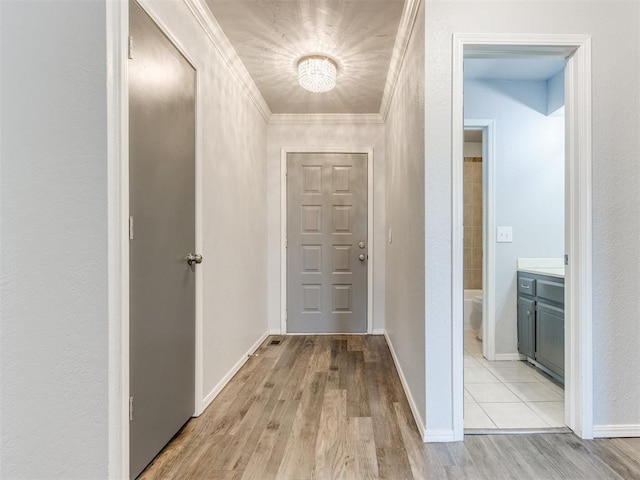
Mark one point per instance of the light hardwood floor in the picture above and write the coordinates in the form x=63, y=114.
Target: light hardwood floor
x=332, y=407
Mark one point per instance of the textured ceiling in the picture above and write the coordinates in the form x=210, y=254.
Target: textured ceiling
x=271, y=36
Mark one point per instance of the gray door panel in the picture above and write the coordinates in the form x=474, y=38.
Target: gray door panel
x=326, y=221
x=526, y=327
x=162, y=203
x=550, y=338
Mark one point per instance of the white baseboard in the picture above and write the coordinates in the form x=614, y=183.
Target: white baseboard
x=378, y=331
x=614, y=431
x=507, y=357
x=414, y=409
x=293, y=334
x=438, y=436
x=222, y=383
x=276, y=331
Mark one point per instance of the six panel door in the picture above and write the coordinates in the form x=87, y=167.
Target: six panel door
x=327, y=243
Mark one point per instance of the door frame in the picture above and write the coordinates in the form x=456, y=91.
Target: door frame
x=578, y=216
x=488, y=234
x=117, y=21
x=283, y=225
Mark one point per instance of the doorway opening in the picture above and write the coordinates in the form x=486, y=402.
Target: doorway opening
x=573, y=295
x=513, y=189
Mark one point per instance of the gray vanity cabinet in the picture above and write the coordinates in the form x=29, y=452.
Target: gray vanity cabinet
x=541, y=321
x=526, y=327
x=550, y=337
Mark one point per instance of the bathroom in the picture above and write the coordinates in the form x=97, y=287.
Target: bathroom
x=514, y=194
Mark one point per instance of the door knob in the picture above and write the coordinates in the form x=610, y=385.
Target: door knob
x=193, y=258
x=362, y=257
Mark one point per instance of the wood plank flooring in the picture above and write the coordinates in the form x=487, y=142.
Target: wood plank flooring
x=332, y=407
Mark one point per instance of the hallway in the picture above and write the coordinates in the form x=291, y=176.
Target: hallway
x=329, y=407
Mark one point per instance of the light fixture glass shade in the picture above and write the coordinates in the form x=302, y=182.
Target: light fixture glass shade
x=317, y=74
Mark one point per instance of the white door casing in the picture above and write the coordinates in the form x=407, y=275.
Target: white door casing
x=578, y=275
x=117, y=19
x=283, y=225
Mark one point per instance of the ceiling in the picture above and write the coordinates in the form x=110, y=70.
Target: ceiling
x=271, y=36
x=512, y=69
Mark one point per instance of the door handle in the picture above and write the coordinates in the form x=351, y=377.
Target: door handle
x=193, y=258
x=362, y=257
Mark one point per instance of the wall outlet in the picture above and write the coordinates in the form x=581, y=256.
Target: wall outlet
x=504, y=235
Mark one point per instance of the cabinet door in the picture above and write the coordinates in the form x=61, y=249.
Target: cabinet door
x=526, y=327
x=550, y=338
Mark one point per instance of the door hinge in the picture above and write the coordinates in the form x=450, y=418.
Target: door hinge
x=131, y=228
x=130, y=409
x=130, y=47
x=566, y=259
x=286, y=242
x=286, y=317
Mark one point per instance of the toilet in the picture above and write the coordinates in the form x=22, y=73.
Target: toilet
x=476, y=316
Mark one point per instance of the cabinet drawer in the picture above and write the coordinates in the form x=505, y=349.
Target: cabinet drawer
x=552, y=291
x=527, y=285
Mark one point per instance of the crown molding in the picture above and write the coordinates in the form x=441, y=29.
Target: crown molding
x=405, y=29
x=325, y=118
x=212, y=29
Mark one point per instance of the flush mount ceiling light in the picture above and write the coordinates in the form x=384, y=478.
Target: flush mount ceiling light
x=317, y=73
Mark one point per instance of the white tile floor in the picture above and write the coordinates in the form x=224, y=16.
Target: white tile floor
x=507, y=394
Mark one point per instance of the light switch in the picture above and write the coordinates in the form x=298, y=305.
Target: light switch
x=504, y=234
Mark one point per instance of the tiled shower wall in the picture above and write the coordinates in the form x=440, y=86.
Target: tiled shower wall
x=473, y=223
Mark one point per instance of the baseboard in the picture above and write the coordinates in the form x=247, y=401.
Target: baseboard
x=222, y=383
x=507, y=357
x=438, y=436
x=378, y=331
x=293, y=334
x=276, y=331
x=614, y=431
x=412, y=404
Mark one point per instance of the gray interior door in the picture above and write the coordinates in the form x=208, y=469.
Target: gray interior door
x=162, y=205
x=327, y=243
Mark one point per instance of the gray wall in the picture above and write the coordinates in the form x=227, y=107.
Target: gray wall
x=529, y=184
x=615, y=31
x=54, y=240
x=405, y=309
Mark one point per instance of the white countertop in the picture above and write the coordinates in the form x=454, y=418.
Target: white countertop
x=553, y=267
x=552, y=272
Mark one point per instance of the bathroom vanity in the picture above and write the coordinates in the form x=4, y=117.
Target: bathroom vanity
x=541, y=317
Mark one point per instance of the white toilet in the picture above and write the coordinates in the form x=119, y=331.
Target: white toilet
x=476, y=316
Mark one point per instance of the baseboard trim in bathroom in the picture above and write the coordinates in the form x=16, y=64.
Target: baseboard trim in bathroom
x=515, y=431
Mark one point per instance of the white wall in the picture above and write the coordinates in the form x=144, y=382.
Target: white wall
x=615, y=31
x=54, y=301
x=405, y=309
x=473, y=149
x=350, y=135
x=529, y=184
x=234, y=180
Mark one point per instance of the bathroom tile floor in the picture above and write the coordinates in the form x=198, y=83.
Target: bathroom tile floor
x=500, y=395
